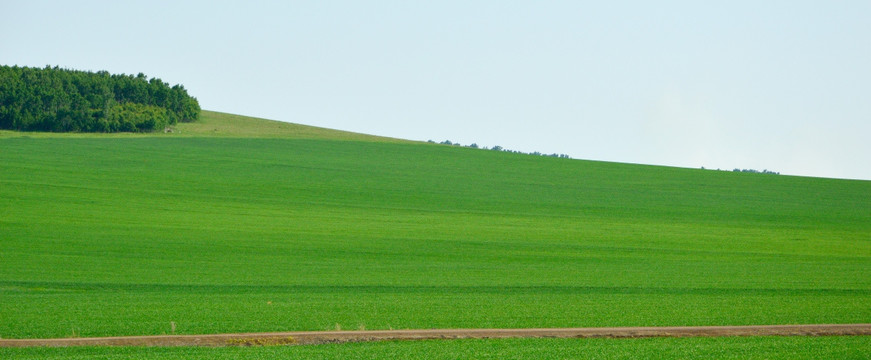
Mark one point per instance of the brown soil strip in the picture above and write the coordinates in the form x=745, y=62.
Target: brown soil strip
x=318, y=337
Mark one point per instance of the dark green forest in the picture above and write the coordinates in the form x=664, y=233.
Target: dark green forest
x=63, y=100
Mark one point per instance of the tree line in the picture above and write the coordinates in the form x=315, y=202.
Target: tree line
x=64, y=100
x=753, y=171
x=499, y=148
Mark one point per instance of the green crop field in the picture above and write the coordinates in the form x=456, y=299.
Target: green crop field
x=235, y=224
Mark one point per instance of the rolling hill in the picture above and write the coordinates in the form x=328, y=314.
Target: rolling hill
x=235, y=224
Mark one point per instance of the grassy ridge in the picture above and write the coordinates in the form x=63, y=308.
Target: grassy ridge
x=123, y=235
x=218, y=124
x=793, y=348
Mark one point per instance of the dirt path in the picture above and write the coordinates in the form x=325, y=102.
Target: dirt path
x=317, y=337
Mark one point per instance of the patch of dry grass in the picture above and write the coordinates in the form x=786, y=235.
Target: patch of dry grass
x=261, y=341
x=228, y=125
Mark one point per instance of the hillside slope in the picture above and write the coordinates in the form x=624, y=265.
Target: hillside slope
x=219, y=124
x=305, y=229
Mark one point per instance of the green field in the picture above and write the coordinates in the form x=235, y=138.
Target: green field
x=788, y=348
x=282, y=227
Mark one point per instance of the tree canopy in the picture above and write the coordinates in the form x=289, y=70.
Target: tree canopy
x=63, y=100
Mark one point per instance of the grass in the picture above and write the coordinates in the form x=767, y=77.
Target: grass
x=793, y=348
x=222, y=125
x=292, y=228
x=216, y=124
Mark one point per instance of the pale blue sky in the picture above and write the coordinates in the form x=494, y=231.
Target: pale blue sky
x=779, y=85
